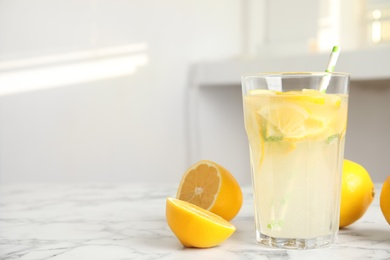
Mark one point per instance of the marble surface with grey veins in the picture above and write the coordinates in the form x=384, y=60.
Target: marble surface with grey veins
x=127, y=221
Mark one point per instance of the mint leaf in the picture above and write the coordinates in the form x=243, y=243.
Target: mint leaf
x=272, y=135
x=275, y=224
x=273, y=138
x=332, y=137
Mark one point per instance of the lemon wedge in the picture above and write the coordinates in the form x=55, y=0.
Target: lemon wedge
x=195, y=226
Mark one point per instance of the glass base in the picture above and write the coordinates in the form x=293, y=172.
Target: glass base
x=296, y=243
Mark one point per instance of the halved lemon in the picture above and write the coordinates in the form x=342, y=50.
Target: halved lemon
x=211, y=187
x=196, y=227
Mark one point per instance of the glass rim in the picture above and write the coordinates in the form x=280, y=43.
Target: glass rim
x=295, y=73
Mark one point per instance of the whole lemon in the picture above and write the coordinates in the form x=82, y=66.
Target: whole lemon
x=385, y=199
x=357, y=193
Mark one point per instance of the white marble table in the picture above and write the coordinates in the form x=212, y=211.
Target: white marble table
x=127, y=221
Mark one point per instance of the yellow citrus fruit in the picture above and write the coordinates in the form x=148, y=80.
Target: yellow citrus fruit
x=211, y=187
x=385, y=199
x=196, y=227
x=357, y=193
x=288, y=118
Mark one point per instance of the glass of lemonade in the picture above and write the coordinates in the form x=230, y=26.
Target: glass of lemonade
x=296, y=138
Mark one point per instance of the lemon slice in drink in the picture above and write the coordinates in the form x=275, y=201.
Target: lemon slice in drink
x=288, y=118
x=316, y=126
x=306, y=96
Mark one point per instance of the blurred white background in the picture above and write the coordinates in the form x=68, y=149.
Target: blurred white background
x=104, y=90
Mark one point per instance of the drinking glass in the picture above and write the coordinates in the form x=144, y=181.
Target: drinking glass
x=296, y=137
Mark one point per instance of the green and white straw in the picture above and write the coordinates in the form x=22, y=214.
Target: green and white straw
x=330, y=68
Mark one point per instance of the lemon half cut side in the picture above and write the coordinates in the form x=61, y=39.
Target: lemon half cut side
x=211, y=187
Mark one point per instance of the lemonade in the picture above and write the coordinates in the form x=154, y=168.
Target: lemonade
x=296, y=141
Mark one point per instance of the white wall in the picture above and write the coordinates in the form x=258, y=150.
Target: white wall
x=126, y=128
x=221, y=132
x=142, y=126
x=367, y=140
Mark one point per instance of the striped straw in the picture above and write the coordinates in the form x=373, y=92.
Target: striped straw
x=330, y=68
